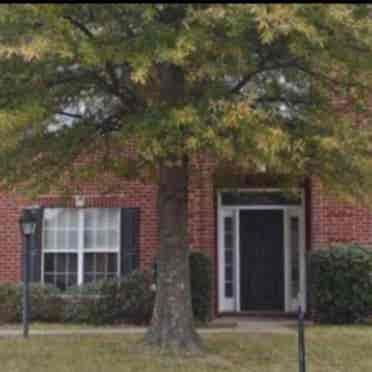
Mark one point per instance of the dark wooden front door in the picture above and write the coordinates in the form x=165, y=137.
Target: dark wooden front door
x=261, y=260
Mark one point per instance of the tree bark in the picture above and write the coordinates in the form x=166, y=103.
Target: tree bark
x=172, y=322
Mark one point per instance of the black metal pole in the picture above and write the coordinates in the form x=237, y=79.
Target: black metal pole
x=301, y=341
x=26, y=279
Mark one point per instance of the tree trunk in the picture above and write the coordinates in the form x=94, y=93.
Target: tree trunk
x=172, y=322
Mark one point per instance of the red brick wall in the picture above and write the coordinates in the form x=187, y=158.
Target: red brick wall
x=202, y=212
x=331, y=221
x=9, y=238
x=334, y=222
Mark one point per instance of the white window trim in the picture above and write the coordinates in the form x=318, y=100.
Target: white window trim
x=80, y=251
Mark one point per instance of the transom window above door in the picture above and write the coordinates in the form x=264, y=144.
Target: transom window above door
x=80, y=245
x=244, y=198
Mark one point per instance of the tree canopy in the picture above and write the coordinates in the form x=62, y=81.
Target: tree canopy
x=273, y=88
x=134, y=89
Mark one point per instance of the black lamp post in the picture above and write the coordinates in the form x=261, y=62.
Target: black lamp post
x=301, y=341
x=27, y=224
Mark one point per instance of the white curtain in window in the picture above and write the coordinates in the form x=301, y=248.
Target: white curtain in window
x=102, y=229
x=61, y=230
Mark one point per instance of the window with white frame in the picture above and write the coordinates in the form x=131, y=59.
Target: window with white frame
x=229, y=256
x=80, y=245
x=295, y=256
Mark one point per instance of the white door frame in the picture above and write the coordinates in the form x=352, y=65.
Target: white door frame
x=233, y=304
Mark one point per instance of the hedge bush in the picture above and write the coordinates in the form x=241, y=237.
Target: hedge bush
x=10, y=300
x=201, y=286
x=80, y=309
x=341, y=285
x=45, y=304
x=137, y=298
x=80, y=304
x=129, y=300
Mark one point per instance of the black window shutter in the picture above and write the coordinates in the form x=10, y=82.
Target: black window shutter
x=129, y=239
x=36, y=247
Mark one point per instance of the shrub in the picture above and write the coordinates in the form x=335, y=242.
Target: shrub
x=45, y=303
x=109, y=306
x=201, y=286
x=80, y=309
x=10, y=300
x=129, y=300
x=340, y=284
x=80, y=304
x=83, y=290
x=138, y=298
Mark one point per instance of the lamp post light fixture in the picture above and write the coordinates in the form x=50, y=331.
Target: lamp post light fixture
x=27, y=224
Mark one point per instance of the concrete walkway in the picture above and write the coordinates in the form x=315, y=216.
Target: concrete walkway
x=259, y=325
x=217, y=326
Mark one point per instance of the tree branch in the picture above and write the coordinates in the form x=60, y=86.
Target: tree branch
x=69, y=114
x=79, y=26
x=247, y=78
x=281, y=99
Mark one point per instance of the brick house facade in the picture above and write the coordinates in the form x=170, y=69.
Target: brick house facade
x=326, y=221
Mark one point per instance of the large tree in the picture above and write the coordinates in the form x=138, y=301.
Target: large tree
x=276, y=89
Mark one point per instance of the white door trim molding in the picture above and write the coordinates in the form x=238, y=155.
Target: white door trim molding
x=233, y=305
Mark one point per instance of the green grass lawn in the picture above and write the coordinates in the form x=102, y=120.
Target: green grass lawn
x=42, y=326
x=333, y=349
